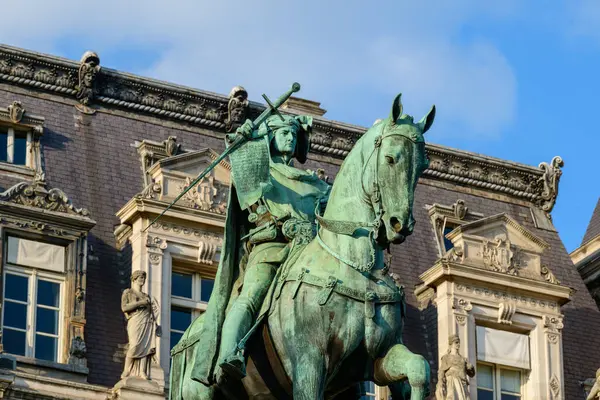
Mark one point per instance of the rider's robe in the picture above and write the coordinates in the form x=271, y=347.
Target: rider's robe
x=293, y=192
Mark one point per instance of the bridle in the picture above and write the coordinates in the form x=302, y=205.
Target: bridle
x=348, y=228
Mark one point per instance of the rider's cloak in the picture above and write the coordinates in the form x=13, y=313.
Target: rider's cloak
x=230, y=265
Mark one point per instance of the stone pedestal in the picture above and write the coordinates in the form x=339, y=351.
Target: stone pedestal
x=134, y=388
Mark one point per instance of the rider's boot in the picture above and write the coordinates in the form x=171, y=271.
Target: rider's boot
x=237, y=323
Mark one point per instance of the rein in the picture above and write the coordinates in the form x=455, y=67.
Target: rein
x=348, y=228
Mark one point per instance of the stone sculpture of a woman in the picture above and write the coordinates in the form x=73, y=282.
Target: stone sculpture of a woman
x=452, y=375
x=141, y=331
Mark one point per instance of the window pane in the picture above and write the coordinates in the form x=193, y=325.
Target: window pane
x=510, y=381
x=181, y=285
x=17, y=287
x=180, y=318
x=15, y=315
x=509, y=397
x=46, y=321
x=3, y=144
x=206, y=288
x=175, y=338
x=13, y=341
x=45, y=347
x=447, y=243
x=485, y=394
x=48, y=293
x=20, y=154
x=485, y=376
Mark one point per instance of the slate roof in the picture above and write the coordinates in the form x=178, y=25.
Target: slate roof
x=593, y=228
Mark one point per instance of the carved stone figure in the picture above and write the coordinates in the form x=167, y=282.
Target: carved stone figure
x=88, y=69
x=16, y=111
x=311, y=290
x=236, y=107
x=453, y=382
x=142, y=330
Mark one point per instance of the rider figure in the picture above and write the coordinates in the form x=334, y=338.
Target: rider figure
x=293, y=196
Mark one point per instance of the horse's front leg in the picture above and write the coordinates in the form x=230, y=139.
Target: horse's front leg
x=309, y=375
x=399, y=364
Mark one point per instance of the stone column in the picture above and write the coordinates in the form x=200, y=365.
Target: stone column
x=553, y=325
x=155, y=249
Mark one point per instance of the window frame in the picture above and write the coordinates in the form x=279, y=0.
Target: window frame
x=10, y=146
x=34, y=275
x=194, y=304
x=497, y=382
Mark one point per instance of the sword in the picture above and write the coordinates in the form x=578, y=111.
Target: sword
x=272, y=108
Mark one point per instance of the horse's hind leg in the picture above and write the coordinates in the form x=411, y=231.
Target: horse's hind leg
x=399, y=364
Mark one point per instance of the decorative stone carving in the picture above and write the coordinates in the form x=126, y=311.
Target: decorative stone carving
x=456, y=254
x=499, y=256
x=549, y=183
x=205, y=196
x=237, y=107
x=171, y=146
x=16, y=111
x=549, y=276
x=207, y=249
x=156, y=246
x=322, y=176
x=459, y=209
x=142, y=329
x=462, y=305
x=89, y=67
x=151, y=191
x=553, y=323
x=36, y=194
x=454, y=373
x=77, y=352
x=554, y=387
x=506, y=311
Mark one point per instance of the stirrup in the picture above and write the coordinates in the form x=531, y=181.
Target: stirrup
x=234, y=366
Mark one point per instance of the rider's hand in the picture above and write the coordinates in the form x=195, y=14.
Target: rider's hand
x=246, y=129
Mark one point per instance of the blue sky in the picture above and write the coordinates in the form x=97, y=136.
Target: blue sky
x=515, y=79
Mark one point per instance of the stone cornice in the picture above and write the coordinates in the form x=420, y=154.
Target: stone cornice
x=335, y=139
x=446, y=270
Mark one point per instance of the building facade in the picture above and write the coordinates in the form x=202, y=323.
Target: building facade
x=89, y=156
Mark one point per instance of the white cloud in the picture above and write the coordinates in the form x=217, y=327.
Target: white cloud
x=350, y=56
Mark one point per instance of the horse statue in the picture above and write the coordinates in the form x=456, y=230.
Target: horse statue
x=334, y=316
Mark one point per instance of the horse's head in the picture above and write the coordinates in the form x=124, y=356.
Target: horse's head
x=398, y=160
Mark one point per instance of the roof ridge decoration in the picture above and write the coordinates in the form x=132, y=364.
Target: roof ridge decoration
x=165, y=100
x=37, y=194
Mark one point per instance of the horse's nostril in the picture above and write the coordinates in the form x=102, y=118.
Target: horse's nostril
x=396, y=224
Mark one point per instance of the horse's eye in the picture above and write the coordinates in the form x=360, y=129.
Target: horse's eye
x=390, y=160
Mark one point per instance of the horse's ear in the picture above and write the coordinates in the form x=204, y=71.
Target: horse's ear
x=426, y=122
x=396, y=108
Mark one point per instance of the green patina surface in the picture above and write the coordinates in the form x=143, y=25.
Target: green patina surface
x=307, y=261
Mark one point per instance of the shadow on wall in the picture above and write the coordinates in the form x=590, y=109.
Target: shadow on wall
x=108, y=273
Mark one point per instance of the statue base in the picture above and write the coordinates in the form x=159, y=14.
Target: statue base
x=134, y=388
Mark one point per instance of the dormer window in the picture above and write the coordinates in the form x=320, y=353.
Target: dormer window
x=447, y=242
x=447, y=218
